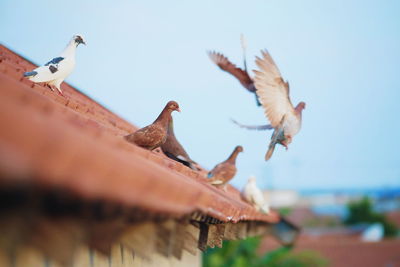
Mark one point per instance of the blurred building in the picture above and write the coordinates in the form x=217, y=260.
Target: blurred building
x=344, y=250
x=282, y=198
x=324, y=234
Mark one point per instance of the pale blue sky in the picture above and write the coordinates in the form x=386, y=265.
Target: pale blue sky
x=341, y=57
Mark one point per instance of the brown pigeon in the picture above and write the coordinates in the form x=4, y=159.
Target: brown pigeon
x=155, y=134
x=225, y=171
x=174, y=150
x=242, y=75
x=273, y=93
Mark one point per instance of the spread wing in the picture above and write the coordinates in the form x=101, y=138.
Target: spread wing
x=272, y=90
x=224, y=64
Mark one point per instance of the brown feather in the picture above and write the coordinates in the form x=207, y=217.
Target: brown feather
x=155, y=134
x=174, y=150
x=149, y=137
x=224, y=64
x=223, y=172
x=272, y=90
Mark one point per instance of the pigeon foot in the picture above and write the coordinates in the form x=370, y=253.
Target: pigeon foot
x=49, y=86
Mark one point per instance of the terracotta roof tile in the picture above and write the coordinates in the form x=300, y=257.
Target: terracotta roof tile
x=75, y=143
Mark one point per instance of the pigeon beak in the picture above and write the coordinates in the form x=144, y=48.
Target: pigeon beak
x=81, y=41
x=179, y=110
x=78, y=42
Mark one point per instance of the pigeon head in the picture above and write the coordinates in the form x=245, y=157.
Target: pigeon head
x=239, y=149
x=78, y=39
x=172, y=105
x=252, y=179
x=300, y=106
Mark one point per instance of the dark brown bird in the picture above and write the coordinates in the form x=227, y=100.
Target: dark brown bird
x=155, y=134
x=242, y=75
x=174, y=150
x=225, y=171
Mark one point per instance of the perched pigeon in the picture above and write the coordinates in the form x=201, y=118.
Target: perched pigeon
x=155, y=134
x=273, y=93
x=240, y=74
x=225, y=171
x=252, y=194
x=174, y=150
x=54, y=72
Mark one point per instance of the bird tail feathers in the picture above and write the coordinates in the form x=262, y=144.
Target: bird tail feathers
x=270, y=151
x=187, y=162
x=194, y=166
x=277, y=137
x=265, y=209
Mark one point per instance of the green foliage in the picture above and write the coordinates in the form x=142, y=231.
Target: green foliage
x=362, y=212
x=238, y=253
x=285, y=211
x=243, y=253
x=284, y=258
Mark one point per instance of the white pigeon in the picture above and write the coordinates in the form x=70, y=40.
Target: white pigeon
x=273, y=93
x=253, y=195
x=54, y=72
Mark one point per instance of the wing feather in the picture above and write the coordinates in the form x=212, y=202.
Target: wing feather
x=253, y=127
x=54, y=61
x=258, y=197
x=272, y=90
x=224, y=64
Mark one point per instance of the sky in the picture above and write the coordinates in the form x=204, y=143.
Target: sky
x=341, y=57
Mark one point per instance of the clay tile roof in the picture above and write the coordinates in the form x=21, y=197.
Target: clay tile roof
x=74, y=143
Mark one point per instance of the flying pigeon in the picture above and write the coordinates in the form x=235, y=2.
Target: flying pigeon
x=155, y=134
x=253, y=195
x=242, y=75
x=273, y=93
x=174, y=150
x=54, y=72
x=224, y=171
